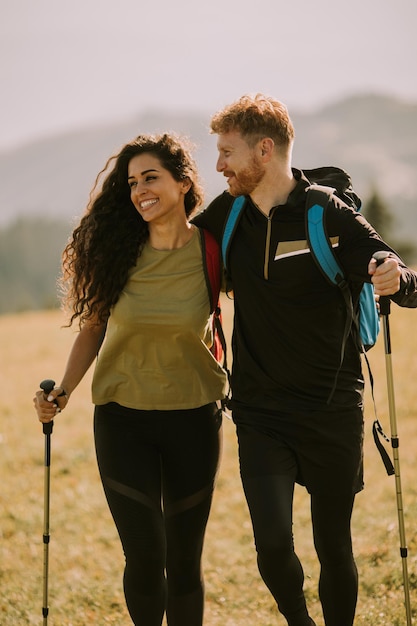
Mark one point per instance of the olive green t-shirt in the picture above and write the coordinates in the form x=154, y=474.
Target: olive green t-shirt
x=156, y=352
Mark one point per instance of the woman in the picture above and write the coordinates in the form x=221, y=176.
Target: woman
x=133, y=271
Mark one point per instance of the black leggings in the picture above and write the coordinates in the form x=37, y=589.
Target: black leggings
x=158, y=470
x=270, y=501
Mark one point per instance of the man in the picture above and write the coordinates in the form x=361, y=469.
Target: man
x=289, y=326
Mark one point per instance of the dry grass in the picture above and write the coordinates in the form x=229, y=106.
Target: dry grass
x=85, y=556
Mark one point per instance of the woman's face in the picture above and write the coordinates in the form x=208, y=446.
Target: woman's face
x=156, y=195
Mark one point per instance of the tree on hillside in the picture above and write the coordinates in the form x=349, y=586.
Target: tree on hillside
x=378, y=214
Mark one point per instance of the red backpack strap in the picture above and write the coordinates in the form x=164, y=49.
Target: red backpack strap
x=212, y=266
x=213, y=273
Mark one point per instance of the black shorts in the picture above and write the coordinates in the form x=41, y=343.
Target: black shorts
x=323, y=450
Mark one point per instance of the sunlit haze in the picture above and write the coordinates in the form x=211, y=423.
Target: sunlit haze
x=67, y=65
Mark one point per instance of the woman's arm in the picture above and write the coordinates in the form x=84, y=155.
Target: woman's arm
x=83, y=353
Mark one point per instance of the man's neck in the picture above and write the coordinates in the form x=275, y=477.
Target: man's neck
x=273, y=190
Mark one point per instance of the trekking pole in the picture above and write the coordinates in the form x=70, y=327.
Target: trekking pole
x=46, y=386
x=385, y=307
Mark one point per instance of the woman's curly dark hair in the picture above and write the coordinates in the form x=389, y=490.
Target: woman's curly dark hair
x=111, y=234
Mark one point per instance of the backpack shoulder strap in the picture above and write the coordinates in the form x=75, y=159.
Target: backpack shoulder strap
x=213, y=276
x=212, y=266
x=321, y=250
x=316, y=203
x=230, y=226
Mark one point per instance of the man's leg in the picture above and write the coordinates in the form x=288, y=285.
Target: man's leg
x=338, y=587
x=270, y=500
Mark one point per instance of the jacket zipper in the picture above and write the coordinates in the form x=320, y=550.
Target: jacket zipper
x=268, y=243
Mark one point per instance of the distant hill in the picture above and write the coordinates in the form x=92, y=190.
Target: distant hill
x=375, y=139
x=372, y=136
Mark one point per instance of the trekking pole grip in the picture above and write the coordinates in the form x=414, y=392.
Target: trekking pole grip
x=47, y=386
x=384, y=301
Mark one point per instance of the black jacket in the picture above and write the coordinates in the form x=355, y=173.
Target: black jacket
x=289, y=321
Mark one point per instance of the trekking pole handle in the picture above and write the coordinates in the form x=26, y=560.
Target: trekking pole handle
x=47, y=386
x=380, y=256
x=384, y=301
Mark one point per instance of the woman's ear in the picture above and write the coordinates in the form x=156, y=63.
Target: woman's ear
x=186, y=185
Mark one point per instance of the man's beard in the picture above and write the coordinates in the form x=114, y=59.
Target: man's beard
x=248, y=179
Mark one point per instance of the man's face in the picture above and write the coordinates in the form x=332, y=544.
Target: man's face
x=239, y=163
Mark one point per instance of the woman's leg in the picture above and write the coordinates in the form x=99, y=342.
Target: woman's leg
x=338, y=587
x=129, y=464
x=189, y=469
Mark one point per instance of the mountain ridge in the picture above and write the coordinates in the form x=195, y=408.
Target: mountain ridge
x=372, y=136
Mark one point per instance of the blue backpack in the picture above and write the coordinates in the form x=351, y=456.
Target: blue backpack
x=366, y=319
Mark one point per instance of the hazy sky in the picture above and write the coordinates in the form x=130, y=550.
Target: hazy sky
x=67, y=64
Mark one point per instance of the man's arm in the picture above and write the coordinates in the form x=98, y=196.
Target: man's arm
x=358, y=243
x=214, y=216
x=394, y=280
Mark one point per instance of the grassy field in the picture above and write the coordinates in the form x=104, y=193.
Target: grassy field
x=85, y=556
